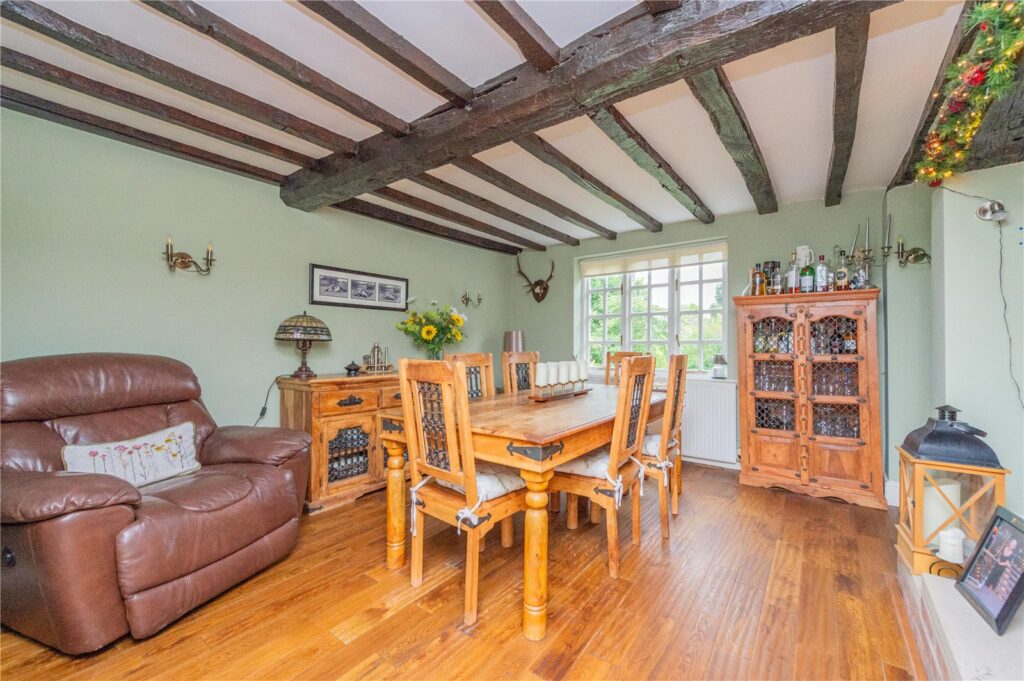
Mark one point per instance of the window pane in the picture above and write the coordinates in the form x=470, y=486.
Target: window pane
x=596, y=282
x=614, y=328
x=614, y=347
x=596, y=355
x=659, y=327
x=710, y=350
x=659, y=299
x=614, y=302
x=712, y=323
x=712, y=296
x=638, y=278
x=691, y=352
x=660, y=276
x=613, y=281
x=689, y=297
x=639, y=297
x=660, y=353
x=691, y=273
x=712, y=255
x=597, y=328
x=688, y=329
x=596, y=303
x=638, y=328
x=714, y=270
x=640, y=347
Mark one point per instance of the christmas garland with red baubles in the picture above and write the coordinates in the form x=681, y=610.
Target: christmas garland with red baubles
x=983, y=75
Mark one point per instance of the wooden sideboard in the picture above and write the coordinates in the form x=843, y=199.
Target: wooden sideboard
x=340, y=414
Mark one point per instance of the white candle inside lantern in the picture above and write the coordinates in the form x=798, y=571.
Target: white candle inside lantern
x=541, y=378
x=584, y=370
x=936, y=510
x=563, y=372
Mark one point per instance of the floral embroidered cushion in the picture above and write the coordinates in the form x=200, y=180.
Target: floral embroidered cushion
x=140, y=461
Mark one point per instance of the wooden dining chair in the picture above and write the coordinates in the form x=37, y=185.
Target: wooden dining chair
x=518, y=370
x=447, y=483
x=612, y=360
x=662, y=452
x=606, y=473
x=479, y=373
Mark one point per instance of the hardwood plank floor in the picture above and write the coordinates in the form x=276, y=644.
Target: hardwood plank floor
x=754, y=583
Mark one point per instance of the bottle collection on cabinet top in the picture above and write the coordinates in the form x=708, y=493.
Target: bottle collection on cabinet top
x=804, y=275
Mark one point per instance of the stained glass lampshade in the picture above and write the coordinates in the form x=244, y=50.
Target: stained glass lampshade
x=303, y=329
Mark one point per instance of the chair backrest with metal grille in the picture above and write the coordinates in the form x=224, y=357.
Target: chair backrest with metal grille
x=479, y=373
x=436, y=410
x=672, y=421
x=636, y=379
x=612, y=360
x=518, y=370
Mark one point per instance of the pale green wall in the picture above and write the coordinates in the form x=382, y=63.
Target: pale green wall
x=82, y=228
x=550, y=327
x=971, y=352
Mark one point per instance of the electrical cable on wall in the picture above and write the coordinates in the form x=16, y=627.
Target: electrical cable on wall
x=266, y=399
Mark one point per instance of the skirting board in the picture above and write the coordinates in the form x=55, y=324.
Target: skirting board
x=892, y=492
x=712, y=463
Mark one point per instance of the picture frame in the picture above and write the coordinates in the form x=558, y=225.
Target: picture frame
x=340, y=287
x=993, y=579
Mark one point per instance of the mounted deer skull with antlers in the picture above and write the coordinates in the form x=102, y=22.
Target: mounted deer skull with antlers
x=538, y=288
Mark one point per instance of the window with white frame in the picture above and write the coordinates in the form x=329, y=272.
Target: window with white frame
x=663, y=302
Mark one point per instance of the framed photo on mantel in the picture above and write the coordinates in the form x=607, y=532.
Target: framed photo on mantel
x=351, y=288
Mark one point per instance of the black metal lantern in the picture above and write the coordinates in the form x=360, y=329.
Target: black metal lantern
x=950, y=441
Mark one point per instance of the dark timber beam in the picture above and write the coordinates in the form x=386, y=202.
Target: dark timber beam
x=659, y=6
x=129, y=100
x=502, y=181
x=372, y=210
x=597, y=70
x=377, y=37
x=533, y=42
x=105, y=48
x=713, y=91
x=547, y=153
x=416, y=203
x=80, y=120
x=851, y=49
x=629, y=139
x=1000, y=139
x=209, y=24
x=498, y=211
x=959, y=43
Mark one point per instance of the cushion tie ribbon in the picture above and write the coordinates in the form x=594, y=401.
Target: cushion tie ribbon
x=415, y=502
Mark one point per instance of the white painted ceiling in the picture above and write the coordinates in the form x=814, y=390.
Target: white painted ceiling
x=786, y=93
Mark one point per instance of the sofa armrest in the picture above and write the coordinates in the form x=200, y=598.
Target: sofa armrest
x=30, y=496
x=248, y=444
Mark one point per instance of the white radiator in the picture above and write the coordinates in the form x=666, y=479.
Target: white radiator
x=709, y=421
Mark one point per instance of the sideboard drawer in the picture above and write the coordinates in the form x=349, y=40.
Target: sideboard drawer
x=347, y=401
x=390, y=397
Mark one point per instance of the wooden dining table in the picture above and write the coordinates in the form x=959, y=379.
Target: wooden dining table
x=532, y=437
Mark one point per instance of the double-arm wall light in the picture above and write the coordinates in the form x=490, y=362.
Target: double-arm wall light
x=183, y=261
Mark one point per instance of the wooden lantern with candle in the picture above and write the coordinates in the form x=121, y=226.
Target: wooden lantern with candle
x=949, y=478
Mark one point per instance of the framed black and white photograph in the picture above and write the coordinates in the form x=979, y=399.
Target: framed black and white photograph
x=993, y=579
x=351, y=288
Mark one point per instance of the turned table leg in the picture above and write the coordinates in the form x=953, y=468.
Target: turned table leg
x=535, y=562
x=396, y=504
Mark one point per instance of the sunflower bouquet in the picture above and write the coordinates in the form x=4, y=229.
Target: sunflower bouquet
x=434, y=328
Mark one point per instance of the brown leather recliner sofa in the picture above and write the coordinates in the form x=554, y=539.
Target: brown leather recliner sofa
x=87, y=558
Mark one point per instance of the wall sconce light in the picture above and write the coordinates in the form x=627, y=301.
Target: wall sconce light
x=183, y=261
x=911, y=256
x=468, y=302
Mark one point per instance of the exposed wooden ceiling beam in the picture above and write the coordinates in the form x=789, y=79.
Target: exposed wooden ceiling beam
x=851, y=50
x=204, y=21
x=372, y=210
x=487, y=206
x=1000, y=139
x=80, y=120
x=105, y=48
x=502, y=181
x=543, y=151
x=600, y=69
x=629, y=139
x=416, y=203
x=659, y=6
x=129, y=100
x=539, y=49
x=713, y=91
x=379, y=38
x=958, y=44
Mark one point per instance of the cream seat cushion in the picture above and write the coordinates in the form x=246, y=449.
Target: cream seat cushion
x=492, y=481
x=592, y=465
x=652, y=445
